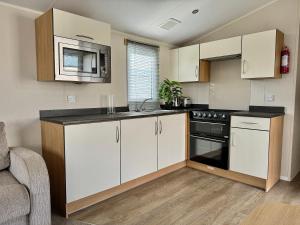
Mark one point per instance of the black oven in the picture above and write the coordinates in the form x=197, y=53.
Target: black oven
x=209, y=137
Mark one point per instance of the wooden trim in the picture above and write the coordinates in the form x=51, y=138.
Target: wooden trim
x=53, y=145
x=45, y=46
x=253, y=181
x=204, y=71
x=187, y=137
x=101, y=196
x=278, y=49
x=275, y=151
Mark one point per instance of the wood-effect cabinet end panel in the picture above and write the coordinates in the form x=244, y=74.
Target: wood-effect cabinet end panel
x=278, y=49
x=275, y=151
x=45, y=46
x=204, y=71
x=53, y=146
x=187, y=137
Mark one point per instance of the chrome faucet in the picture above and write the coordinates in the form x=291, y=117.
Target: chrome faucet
x=140, y=109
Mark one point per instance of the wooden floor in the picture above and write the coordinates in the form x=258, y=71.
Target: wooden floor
x=187, y=197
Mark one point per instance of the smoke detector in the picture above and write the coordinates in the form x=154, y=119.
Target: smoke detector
x=169, y=24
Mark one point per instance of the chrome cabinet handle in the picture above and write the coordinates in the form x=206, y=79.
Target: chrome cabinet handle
x=250, y=123
x=117, y=134
x=196, y=71
x=233, y=140
x=156, y=128
x=84, y=36
x=160, y=127
x=244, y=62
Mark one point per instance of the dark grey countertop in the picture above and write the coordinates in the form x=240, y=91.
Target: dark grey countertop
x=69, y=120
x=93, y=115
x=256, y=114
x=261, y=111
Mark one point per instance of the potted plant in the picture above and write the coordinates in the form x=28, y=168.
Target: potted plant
x=169, y=93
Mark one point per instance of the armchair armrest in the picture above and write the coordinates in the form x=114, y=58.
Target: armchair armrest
x=29, y=169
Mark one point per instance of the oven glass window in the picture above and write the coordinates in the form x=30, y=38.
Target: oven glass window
x=75, y=60
x=214, y=153
x=209, y=129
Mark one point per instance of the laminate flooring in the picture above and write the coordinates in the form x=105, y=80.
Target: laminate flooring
x=187, y=197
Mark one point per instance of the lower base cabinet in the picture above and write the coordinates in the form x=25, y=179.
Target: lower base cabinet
x=92, y=158
x=249, y=151
x=171, y=140
x=91, y=162
x=138, y=148
x=255, y=148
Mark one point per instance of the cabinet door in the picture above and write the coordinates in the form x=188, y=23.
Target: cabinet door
x=174, y=64
x=69, y=25
x=219, y=49
x=138, y=148
x=189, y=63
x=171, y=140
x=261, y=54
x=92, y=158
x=249, y=152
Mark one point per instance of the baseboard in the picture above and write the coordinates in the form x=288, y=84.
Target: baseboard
x=285, y=178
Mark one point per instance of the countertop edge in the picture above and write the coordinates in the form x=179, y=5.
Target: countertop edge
x=85, y=121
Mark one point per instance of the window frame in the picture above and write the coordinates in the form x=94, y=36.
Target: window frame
x=153, y=102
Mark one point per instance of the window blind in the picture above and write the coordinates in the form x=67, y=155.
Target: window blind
x=142, y=72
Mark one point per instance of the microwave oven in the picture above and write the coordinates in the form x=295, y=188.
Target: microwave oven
x=81, y=61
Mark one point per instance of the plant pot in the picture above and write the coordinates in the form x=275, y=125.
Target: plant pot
x=166, y=106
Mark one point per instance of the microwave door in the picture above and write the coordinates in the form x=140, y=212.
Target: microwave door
x=78, y=61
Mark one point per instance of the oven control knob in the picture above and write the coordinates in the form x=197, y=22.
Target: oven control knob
x=209, y=115
x=204, y=115
x=215, y=116
x=200, y=114
x=223, y=116
x=195, y=114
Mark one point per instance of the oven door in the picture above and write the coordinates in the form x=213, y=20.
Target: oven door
x=209, y=151
x=81, y=61
x=209, y=129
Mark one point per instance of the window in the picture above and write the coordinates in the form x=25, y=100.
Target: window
x=142, y=72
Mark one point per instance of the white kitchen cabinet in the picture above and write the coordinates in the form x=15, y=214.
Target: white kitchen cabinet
x=189, y=63
x=255, y=149
x=225, y=48
x=249, y=152
x=92, y=158
x=171, y=140
x=138, y=147
x=174, y=61
x=70, y=25
x=261, y=54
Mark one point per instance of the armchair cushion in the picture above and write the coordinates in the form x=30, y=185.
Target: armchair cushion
x=4, y=157
x=14, y=198
x=29, y=169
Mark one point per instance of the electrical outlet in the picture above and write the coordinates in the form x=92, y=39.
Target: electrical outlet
x=270, y=98
x=71, y=99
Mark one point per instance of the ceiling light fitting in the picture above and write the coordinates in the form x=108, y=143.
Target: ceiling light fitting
x=195, y=11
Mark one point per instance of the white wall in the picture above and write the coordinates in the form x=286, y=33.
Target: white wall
x=21, y=96
x=283, y=15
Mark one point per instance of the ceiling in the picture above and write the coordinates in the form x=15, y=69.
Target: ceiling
x=143, y=17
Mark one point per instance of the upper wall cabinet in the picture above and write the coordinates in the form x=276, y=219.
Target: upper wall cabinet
x=190, y=68
x=261, y=54
x=69, y=25
x=72, y=48
x=174, y=61
x=221, y=49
